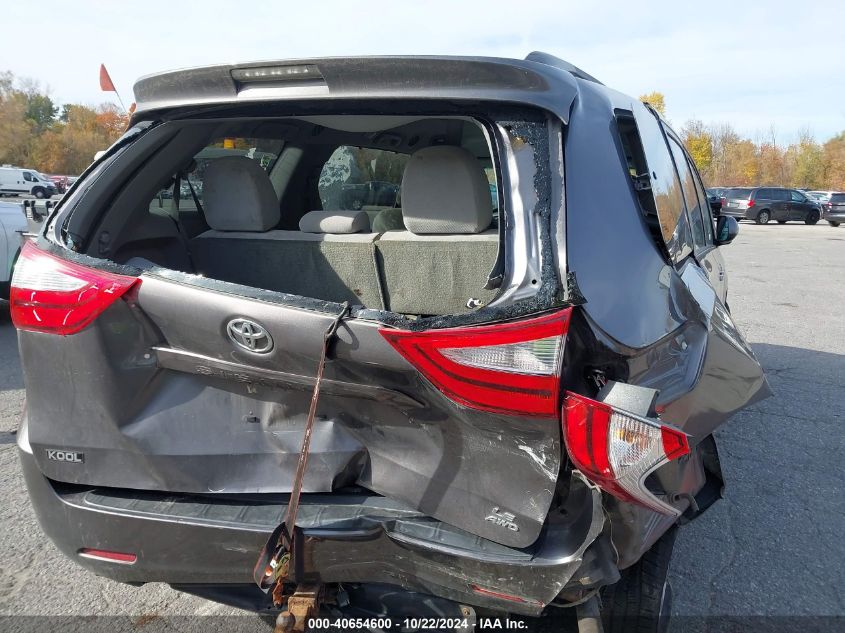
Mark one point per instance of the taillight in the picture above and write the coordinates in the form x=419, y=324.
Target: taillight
x=50, y=294
x=511, y=368
x=112, y=557
x=617, y=450
x=750, y=203
x=723, y=201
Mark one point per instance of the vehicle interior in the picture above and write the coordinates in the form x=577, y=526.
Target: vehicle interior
x=392, y=213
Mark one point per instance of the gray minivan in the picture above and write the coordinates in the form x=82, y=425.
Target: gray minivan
x=763, y=204
x=435, y=405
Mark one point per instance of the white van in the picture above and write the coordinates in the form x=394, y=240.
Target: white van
x=12, y=224
x=16, y=180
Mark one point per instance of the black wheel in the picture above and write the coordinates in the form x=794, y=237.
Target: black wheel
x=781, y=221
x=642, y=599
x=833, y=223
x=763, y=217
x=812, y=217
x=39, y=193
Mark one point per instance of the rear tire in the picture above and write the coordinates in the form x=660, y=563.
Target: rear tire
x=833, y=223
x=642, y=599
x=763, y=217
x=39, y=193
x=812, y=217
x=781, y=221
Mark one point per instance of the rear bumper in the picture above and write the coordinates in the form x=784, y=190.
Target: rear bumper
x=834, y=216
x=739, y=214
x=196, y=540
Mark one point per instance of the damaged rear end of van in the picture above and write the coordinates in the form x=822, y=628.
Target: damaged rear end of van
x=499, y=332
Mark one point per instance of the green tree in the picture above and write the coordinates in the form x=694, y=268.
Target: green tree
x=40, y=111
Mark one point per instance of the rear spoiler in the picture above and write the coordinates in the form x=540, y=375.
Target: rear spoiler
x=527, y=82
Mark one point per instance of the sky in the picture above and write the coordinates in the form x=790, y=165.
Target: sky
x=760, y=66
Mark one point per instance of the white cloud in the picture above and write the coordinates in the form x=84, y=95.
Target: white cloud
x=751, y=64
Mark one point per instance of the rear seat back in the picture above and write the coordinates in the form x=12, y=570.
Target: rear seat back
x=241, y=207
x=441, y=264
x=342, y=267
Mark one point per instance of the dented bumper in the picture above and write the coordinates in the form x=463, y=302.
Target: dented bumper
x=200, y=540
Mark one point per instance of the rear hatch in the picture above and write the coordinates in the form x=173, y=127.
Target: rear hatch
x=736, y=201
x=156, y=379
x=836, y=204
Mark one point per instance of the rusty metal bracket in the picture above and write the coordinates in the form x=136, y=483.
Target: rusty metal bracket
x=302, y=605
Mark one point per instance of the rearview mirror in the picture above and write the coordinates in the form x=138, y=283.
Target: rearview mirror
x=727, y=228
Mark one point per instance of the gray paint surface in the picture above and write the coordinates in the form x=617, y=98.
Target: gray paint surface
x=145, y=426
x=723, y=562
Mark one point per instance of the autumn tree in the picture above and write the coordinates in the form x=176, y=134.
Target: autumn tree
x=773, y=168
x=834, y=162
x=15, y=129
x=69, y=147
x=699, y=144
x=656, y=100
x=723, y=141
x=806, y=162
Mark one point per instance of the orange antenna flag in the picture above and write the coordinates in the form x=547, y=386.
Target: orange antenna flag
x=106, y=84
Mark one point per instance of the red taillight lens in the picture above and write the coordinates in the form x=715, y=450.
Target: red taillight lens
x=112, y=557
x=750, y=203
x=617, y=450
x=511, y=368
x=50, y=294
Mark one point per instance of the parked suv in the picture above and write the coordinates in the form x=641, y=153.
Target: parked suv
x=516, y=408
x=834, y=209
x=763, y=204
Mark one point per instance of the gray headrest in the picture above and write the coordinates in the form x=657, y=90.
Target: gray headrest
x=335, y=222
x=444, y=190
x=238, y=196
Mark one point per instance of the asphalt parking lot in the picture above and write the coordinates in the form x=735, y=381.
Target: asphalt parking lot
x=773, y=546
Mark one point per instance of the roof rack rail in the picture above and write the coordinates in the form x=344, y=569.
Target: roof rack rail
x=550, y=60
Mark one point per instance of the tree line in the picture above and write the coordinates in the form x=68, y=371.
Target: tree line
x=36, y=133
x=725, y=158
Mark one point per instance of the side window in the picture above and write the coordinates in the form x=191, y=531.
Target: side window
x=665, y=187
x=797, y=197
x=703, y=204
x=690, y=194
x=357, y=177
x=28, y=177
x=781, y=195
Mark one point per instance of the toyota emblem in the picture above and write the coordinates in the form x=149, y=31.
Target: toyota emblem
x=249, y=335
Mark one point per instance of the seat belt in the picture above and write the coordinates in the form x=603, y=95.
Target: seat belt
x=200, y=210
x=183, y=236
x=283, y=548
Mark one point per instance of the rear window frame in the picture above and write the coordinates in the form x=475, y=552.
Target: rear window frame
x=544, y=286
